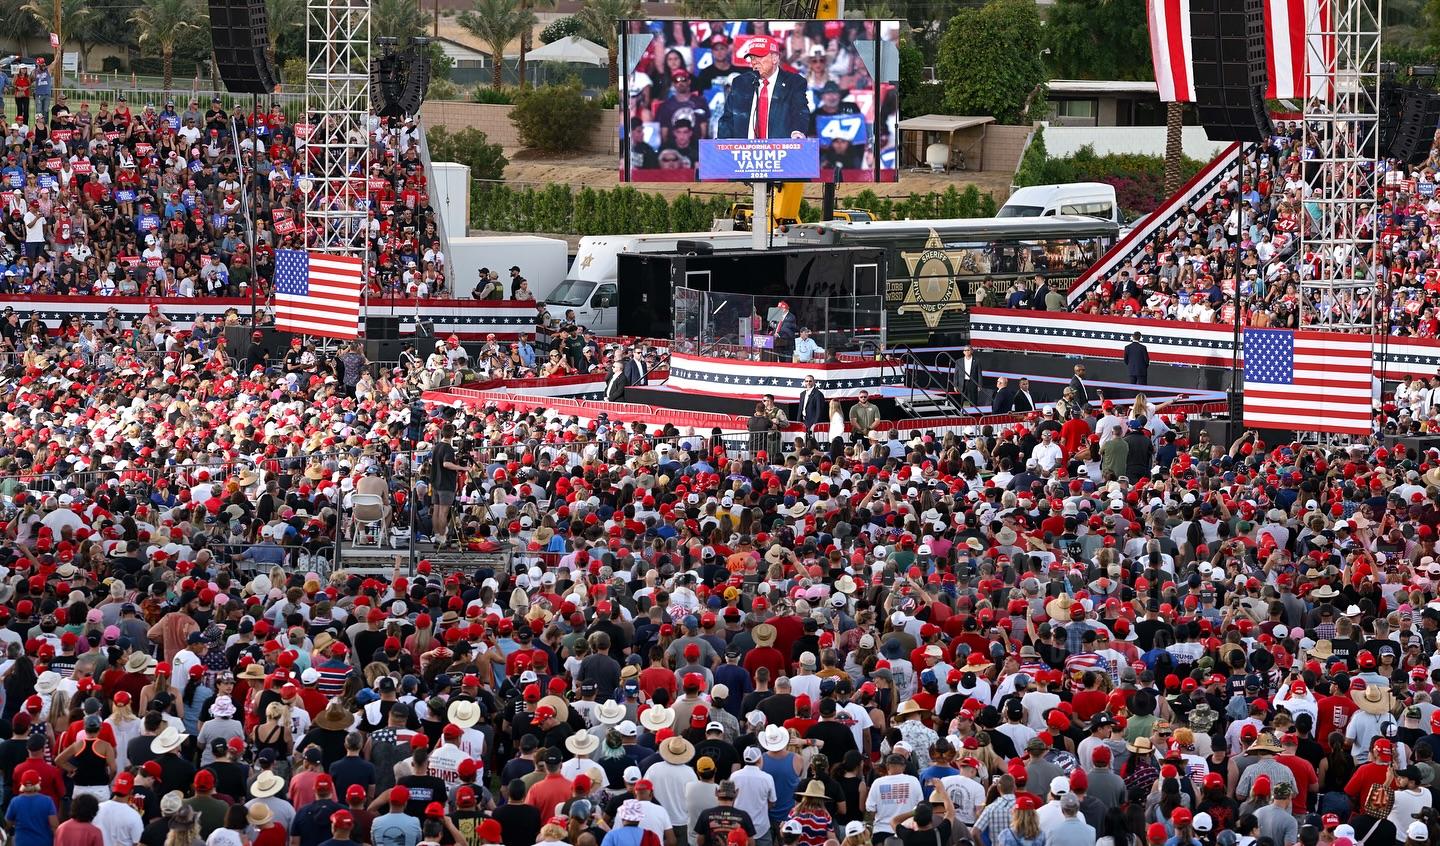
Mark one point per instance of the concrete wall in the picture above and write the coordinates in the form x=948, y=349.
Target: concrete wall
x=494, y=121
x=1004, y=145
x=1061, y=141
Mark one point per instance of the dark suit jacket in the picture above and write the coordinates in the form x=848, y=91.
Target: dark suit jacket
x=786, y=330
x=1023, y=402
x=812, y=407
x=789, y=108
x=634, y=375
x=1082, y=393
x=1137, y=358
x=615, y=387
x=1004, y=401
x=968, y=383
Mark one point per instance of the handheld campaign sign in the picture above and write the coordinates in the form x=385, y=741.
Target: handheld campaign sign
x=755, y=159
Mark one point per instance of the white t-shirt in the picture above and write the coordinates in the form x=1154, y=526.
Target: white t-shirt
x=891, y=796
x=755, y=791
x=119, y=823
x=966, y=795
x=670, y=781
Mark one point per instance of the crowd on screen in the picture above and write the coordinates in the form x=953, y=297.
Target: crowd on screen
x=1251, y=231
x=158, y=199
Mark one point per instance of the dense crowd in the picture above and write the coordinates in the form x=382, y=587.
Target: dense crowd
x=182, y=198
x=1251, y=232
x=1042, y=634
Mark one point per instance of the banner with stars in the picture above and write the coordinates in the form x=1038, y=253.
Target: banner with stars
x=470, y=320
x=728, y=377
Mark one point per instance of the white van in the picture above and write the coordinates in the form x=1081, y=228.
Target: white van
x=1091, y=199
x=591, y=288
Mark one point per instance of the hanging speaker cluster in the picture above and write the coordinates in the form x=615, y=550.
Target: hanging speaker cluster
x=1419, y=114
x=399, y=80
x=240, y=32
x=1227, y=42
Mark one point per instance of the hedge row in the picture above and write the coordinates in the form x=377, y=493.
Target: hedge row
x=559, y=209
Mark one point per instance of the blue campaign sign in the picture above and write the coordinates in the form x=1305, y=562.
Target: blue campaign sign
x=754, y=159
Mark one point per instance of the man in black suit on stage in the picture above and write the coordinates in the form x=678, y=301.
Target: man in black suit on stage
x=616, y=383
x=1137, y=360
x=1077, y=384
x=1004, y=400
x=967, y=376
x=767, y=102
x=812, y=404
x=786, y=327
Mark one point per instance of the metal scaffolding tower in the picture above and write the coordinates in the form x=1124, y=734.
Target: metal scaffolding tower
x=1343, y=126
x=337, y=97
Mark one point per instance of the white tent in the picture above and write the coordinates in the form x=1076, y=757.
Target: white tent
x=571, y=49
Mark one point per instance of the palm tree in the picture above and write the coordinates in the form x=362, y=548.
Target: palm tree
x=526, y=37
x=284, y=17
x=64, y=20
x=600, y=22
x=398, y=19
x=1174, y=123
x=162, y=23
x=496, y=23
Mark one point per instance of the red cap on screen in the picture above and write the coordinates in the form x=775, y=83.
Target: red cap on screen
x=759, y=47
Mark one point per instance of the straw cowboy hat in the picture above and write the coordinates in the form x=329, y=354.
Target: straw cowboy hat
x=464, y=713
x=266, y=784
x=1324, y=592
x=764, y=635
x=335, y=717
x=167, y=741
x=609, y=713
x=908, y=707
x=1265, y=742
x=774, y=738
x=1006, y=537
x=845, y=584
x=677, y=750
x=1059, y=608
x=253, y=672
x=1322, y=650
x=657, y=717
x=562, y=709
x=1140, y=746
x=137, y=663
x=259, y=815
x=1374, y=699
x=582, y=743
x=814, y=790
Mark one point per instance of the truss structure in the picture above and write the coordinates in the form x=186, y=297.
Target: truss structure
x=337, y=97
x=1342, y=124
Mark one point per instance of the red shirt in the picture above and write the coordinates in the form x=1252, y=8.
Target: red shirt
x=52, y=784
x=1088, y=703
x=76, y=833
x=768, y=657
x=549, y=792
x=1365, y=776
x=1332, y=714
x=657, y=678
x=1305, y=778
x=788, y=629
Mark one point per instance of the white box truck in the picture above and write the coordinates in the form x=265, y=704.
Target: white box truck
x=591, y=289
x=542, y=261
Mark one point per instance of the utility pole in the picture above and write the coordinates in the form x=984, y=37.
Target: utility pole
x=57, y=69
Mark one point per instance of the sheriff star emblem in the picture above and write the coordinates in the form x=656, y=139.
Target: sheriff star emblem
x=933, y=290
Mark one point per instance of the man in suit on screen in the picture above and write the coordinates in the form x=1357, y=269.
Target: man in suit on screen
x=768, y=102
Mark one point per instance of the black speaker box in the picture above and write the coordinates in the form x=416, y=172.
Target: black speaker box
x=382, y=328
x=1227, y=43
x=240, y=33
x=1415, y=132
x=386, y=351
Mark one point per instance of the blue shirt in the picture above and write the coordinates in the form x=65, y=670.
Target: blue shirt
x=625, y=835
x=395, y=830
x=31, y=813
x=782, y=769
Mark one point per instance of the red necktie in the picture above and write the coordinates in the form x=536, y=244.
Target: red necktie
x=762, y=110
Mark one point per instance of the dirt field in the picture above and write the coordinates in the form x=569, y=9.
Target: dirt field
x=601, y=172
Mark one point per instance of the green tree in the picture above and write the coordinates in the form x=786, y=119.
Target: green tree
x=21, y=26
x=917, y=97
x=398, y=19
x=162, y=25
x=496, y=23
x=469, y=147
x=556, y=118
x=1098, y=39
x=286, y=21
x=64, y=19
x=527, y=38
x=989, y=60
x=106, y=22
x=560, y=28
x=600, y=22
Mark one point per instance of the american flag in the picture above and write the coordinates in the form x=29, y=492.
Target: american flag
x=1308, y=381
x=318, y=293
